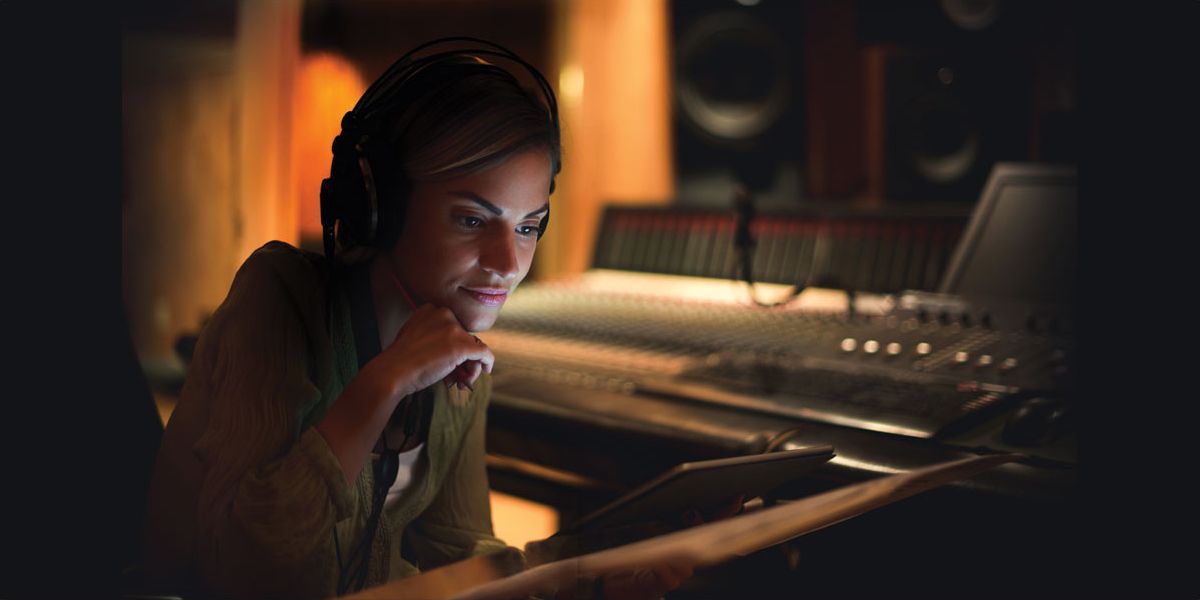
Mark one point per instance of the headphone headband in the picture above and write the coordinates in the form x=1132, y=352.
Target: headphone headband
x=406, y=65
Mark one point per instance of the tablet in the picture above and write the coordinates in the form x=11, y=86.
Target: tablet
x=704, y=484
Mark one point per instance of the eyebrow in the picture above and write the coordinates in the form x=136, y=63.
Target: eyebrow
x=492, y=208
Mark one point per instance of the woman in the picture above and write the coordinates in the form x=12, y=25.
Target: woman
x=330, y=433
x=313, y=368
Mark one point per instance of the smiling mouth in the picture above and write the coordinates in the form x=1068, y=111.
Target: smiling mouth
x=488, y=296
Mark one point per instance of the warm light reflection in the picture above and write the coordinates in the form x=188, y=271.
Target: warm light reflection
x=617, y=138
x=327, y=86
x=518, y=521
x=725, y=291
x=570, y=84
x=862, y=465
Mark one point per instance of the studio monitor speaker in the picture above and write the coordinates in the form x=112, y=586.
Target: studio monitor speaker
x=947, y=118
x=738, y=99
x=950, y=92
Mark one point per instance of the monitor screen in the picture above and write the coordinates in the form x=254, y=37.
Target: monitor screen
x=1020, y=244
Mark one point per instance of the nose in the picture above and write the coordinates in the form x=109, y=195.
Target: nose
x=499, y=255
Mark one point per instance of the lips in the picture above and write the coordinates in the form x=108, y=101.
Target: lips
x=488, y=296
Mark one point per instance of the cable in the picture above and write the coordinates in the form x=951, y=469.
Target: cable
x=743, y=244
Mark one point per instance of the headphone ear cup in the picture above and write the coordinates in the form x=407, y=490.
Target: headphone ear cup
x=387, y=193
x=349, y=196
x=365, y=207
x=329, y=216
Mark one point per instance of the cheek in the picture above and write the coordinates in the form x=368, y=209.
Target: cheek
x=424, y=260
x=525, y=258
x=451, y=260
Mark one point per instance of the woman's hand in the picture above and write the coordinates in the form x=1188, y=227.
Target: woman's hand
x=652, y=583
x=430, y=347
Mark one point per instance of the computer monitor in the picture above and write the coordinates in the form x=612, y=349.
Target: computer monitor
x=1020, y=243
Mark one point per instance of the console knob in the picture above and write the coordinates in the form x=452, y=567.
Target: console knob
x=961, y=357
x=870, y=346
x=849, y=345
x=923, y=348
x=894, y=349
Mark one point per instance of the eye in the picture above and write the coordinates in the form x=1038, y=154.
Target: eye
x=470, y=222
x=527, y=230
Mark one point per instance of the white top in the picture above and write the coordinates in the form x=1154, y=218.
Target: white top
x=404, y=473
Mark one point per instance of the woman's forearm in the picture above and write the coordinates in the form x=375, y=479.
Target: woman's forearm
x=356, y=419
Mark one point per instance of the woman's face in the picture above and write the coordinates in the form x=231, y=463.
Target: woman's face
x=468, y=242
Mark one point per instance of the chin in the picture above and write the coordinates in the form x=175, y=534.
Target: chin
x=476, y=321
x=480, y=325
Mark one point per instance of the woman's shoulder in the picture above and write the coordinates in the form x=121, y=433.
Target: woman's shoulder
x=283, y=266
x=286, y=260
x=277, y=276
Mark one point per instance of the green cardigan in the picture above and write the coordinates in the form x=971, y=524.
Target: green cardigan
x=246, y=495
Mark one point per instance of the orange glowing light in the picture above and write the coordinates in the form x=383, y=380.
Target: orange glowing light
x=327, y=85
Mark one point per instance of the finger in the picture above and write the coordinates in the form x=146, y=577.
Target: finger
x=462, y=378
x=473, y=347
x=484, y=361
x=473, y=369
x=476, y=358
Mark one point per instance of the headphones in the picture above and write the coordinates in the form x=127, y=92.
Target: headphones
x=369, y=204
